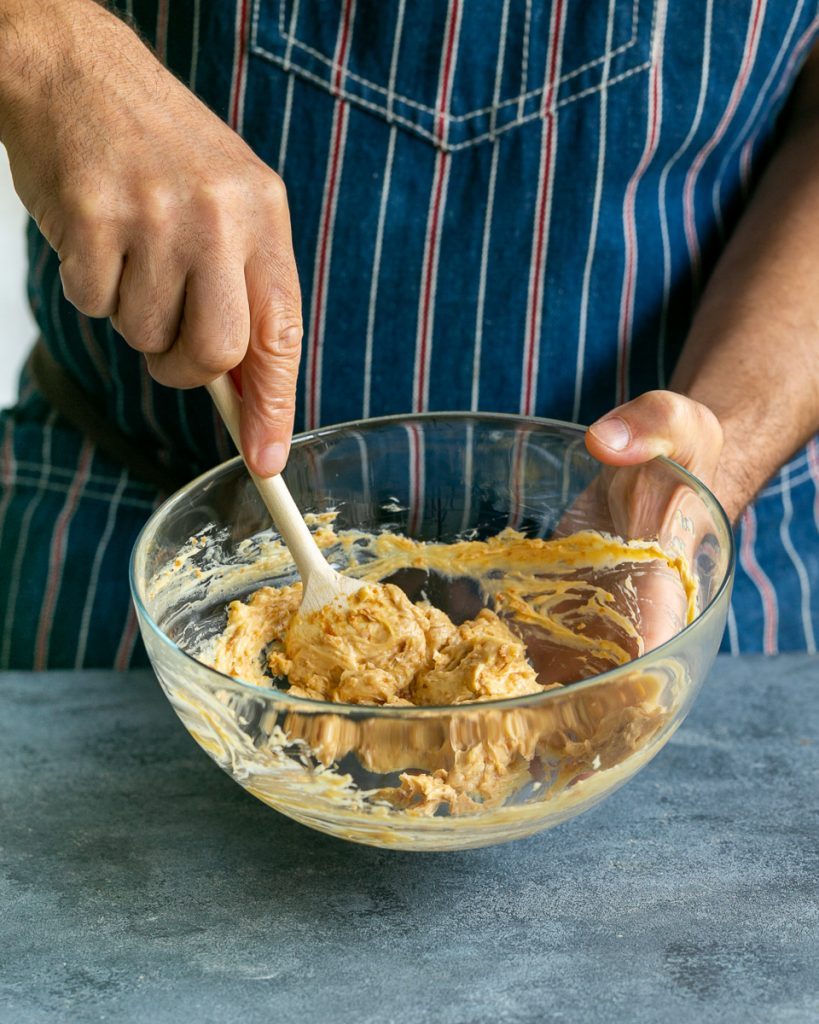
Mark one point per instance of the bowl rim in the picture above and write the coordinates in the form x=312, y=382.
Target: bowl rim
x=308, y=704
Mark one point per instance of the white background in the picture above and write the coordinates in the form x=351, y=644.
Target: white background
x=17, y=330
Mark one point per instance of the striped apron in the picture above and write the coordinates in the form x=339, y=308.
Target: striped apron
x=511, y=205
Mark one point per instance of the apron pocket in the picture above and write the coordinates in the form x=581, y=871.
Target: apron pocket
x=456, y=73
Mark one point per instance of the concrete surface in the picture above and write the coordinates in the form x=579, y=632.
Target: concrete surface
x=139, y=883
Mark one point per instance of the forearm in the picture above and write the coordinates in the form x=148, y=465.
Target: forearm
x=752, y=355
x=40, y=40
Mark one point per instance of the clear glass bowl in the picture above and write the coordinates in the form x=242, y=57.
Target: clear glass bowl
x=435, y=477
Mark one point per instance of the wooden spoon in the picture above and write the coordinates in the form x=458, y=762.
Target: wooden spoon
x=322, y=584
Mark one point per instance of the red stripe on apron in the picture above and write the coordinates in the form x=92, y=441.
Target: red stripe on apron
x=434, y=221
x=420, y=398
x=655, y=108
x=770, y=608
x=126, y=645
x=57, y=557
x=125, y=648
x=93, y=349
x=39, y=271
x=9, y=462
x=542, y=214
x=423, y=344
x=162, y=30
x=805, y=39
x=237, y=86
x=813, y=464
x=8, y=467
x=146, y=402
x=748, y=58
x=762, y=97
x=338, y=135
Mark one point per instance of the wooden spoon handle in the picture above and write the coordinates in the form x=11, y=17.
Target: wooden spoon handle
x=274, y=491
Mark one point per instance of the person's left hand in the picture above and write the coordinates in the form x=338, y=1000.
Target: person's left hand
x=659, y=423
x=643, y=502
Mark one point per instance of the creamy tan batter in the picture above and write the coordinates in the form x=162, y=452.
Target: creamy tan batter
x=564, y=609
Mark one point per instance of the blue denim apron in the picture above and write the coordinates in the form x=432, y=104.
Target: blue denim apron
x=506, y=206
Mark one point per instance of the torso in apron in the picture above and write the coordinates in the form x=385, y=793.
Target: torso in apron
x=503, y=206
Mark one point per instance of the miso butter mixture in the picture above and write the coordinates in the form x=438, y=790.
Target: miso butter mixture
x=377, y=647
x=554, y=611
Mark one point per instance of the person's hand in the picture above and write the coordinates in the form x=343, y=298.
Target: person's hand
x=656, y=423
x=640, y=499
x=163, y=218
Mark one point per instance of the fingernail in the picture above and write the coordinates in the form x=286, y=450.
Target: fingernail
x=270, y=460
x=613, y=432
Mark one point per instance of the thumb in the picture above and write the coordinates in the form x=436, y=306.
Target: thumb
x=659, y=423
x=270, y=370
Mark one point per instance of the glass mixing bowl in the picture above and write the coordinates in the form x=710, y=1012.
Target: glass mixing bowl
x=438, y=477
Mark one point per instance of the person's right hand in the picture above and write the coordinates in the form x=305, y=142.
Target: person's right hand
x=163, y=218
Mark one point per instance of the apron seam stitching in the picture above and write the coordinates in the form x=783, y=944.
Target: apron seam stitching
x=292, y=41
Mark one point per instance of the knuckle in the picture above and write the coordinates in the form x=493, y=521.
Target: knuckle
x=278, y=407
x=92, y=303
x=50, y=220
x=73, y=281
x=213, y=360
x=216, y=199
x=82, y=289
x=216, y=226
x=166, y=372
x=125, y=330
x=89, y=219
x=143, y=333
x=662, y=401
x=132, y=336
x=274, y=415
x=216, y=189
x=157, y=367
x=709, y=421
x=82, y=208
x=283, y=338
x=157, y=208
x=273, y=190
x=667, y=408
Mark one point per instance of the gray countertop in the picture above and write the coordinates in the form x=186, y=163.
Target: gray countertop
x=137, y=882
